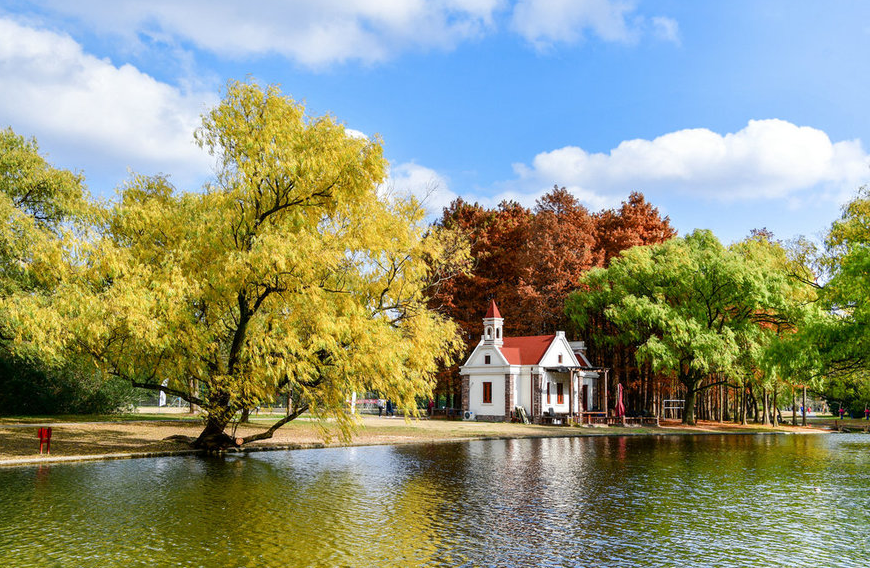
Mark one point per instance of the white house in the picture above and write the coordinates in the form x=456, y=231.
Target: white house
x=544, y=374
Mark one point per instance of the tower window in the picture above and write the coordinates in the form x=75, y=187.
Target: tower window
x=486, y=359
x=498, y=333
x=560, y=357
x=488, y=333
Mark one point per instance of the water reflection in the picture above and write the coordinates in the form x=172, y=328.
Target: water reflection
x=637, y=501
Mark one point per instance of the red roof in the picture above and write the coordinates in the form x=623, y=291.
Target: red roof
x=492, y=312
x=526, y=350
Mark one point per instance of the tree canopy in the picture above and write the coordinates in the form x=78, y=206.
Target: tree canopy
x=530, y=260
x=289, y=273
x=693, y=306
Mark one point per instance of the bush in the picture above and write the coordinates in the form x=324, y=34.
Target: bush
x=26, y=388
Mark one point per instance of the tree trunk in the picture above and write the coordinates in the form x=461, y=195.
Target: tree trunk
x=246, y=416
x=753, y=404
x=743, y=407
x=689, y=404
x=213, y=438
x=775, y=417
x=765, y=407
x=192, y=386
x=793, y=407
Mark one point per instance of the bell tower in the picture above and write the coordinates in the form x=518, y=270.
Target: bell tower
x=492, y=326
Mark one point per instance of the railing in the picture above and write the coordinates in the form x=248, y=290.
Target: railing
x=633, y=421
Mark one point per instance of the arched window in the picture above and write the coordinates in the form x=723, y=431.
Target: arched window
x=488, y=333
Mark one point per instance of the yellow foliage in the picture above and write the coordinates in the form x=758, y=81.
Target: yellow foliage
x=288, y=274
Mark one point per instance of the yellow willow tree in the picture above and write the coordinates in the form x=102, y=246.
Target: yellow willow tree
x=288, y=274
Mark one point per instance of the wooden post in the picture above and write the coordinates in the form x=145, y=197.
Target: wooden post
x=804, y=416
x=793, y=407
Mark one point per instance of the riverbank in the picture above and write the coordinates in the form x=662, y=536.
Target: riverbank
x=153, y=436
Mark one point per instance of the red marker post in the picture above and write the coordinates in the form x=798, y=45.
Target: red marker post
x=45, y=439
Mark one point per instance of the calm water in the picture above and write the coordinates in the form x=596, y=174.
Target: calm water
x=665, y=501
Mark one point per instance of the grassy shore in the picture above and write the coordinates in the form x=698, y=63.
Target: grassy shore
x=94, y=437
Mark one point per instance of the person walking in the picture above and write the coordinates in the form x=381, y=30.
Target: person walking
x=380, y=407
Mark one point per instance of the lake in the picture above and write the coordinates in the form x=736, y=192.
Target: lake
x=719, y=500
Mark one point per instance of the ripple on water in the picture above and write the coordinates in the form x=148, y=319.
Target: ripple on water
x=710, y=501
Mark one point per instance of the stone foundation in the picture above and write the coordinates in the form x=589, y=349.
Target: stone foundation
x=536, y=399
x=508, y=395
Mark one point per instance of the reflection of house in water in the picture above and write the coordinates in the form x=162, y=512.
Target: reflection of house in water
x=545, y=375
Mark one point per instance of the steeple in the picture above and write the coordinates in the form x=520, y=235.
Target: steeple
x=492, y=326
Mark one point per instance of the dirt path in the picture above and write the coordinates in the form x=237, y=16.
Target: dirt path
x=88, y=440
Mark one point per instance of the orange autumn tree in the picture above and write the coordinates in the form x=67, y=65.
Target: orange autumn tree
x=530, y=260
x=635, y=223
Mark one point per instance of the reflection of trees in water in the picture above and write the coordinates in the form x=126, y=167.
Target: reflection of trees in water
x=614, y=501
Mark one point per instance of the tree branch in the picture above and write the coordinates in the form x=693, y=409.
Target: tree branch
x=151, y=386
x=271, y=431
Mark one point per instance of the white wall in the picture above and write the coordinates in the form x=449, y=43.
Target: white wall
x=554, y=378
x=523, y=389
x=475, y=398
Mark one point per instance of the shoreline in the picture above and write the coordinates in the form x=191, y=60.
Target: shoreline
x=76, y=442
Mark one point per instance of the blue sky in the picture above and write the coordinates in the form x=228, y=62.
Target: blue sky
x=726, y=115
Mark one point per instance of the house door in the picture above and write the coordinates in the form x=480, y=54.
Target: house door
x=584, y=397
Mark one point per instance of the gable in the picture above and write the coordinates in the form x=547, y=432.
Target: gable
x=478, y=356
x=559, y=346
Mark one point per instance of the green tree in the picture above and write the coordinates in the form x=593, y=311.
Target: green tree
x=692, y=306
x=838, y=341
x=288, y=274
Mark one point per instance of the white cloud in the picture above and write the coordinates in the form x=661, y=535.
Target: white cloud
x=768, y=159
x=87, y=106
x=312, y=33
x=666, y=29
x=544, y=23
x=427, y=185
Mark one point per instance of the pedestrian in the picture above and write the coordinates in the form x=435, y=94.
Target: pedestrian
x=389, y=407
x=866, y=413
x=431, y=407
x=842, y=411
x=380, y=407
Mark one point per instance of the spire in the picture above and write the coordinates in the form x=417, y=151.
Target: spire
x=492, y=312
x=492, y=326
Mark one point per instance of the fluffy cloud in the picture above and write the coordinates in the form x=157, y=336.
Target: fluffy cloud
x=766, y=159
x=85, y=106
x=543, y=22
x=311, y=33
x=546, y=22
x=317, y=34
